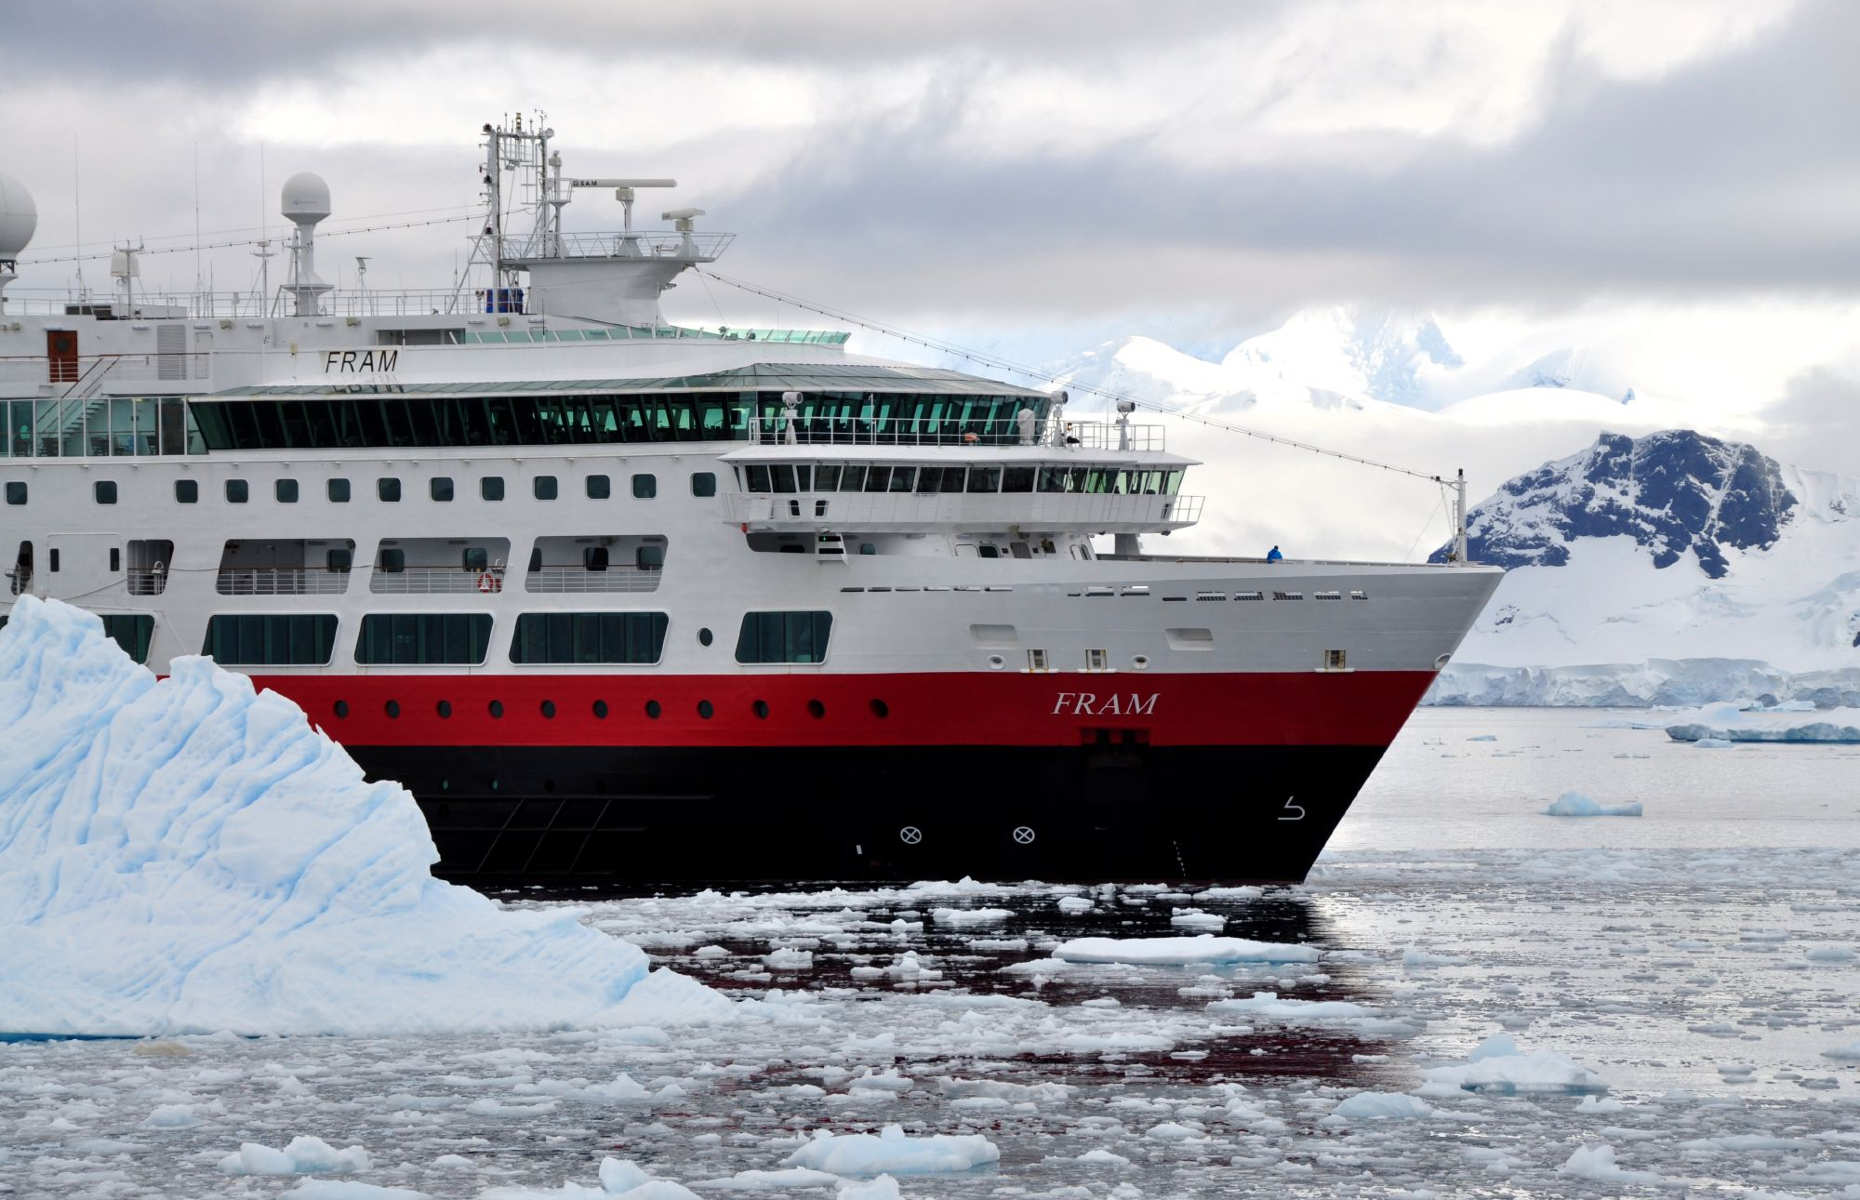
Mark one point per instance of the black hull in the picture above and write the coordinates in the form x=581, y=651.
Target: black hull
x=613, y=815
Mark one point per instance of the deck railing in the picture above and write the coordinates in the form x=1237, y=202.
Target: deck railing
x=615, y=578
x=408, y=581
x=919, y=431
x=269, y=581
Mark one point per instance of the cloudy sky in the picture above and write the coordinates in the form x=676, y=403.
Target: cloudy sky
x=1673, y=185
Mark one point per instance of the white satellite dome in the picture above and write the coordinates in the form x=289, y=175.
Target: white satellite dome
x=18, y=217
x=306, y=197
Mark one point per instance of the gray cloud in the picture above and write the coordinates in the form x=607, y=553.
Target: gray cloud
x=1732, y=175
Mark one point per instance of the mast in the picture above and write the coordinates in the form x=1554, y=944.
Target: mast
x=1459, y=518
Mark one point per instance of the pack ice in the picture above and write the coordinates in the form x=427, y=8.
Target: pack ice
x=188, y=856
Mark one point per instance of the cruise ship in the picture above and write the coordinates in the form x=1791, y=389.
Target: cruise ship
x=623, y=601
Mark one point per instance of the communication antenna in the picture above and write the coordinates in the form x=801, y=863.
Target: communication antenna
x=361, y=278
x=305, y=202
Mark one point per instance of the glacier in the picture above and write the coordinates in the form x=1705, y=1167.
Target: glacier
x=187, y=855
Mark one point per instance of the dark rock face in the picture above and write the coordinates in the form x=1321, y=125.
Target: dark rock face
x=1674, y=492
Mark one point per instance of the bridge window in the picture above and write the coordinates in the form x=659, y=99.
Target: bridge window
x=271, y=639
x=852, y=478
x=589, y=637
x=1017, y=479
x=419, y=638
x=984, y=479
x=784, y=637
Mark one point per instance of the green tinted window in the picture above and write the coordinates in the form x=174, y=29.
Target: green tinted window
x=784, y=637
x=283, y=639
x=583, y=637
x=131, y=631
x=415, y=638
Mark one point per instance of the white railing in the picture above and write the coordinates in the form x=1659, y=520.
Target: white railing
x=689, y=247
x=877, y=510
x=580, y=579
x=408, y=581
x=273, y=581
x=927, y=431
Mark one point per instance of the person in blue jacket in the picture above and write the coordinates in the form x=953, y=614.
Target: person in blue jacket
x=1273, y=555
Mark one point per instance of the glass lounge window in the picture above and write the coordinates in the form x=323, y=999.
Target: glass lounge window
x=784, y=637
x=543, y=487
x=285, y=491
x=281, y=639
x=338, y=490
x=439, y=487
x=704, y=483
x=421, y=638
x=491, y=487
x=388, y=489
x=600, y=487
x=237, y=491
x=645, y=487
x=589, y=637
x=186, y=491
x=105, y=491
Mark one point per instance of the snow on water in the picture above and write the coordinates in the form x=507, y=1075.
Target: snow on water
x=1575, y=804
x=188, y=856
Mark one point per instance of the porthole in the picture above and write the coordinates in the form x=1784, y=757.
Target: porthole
x=497, y=708
x=652, y=709
x=996, y=662
x=705, y=709
x=342, y=708
x=600, y=709
x=445, y=708
x=880, y=708
x=393, y=708
x=1140, y=661
x=816, y=709
x=548, y=710
x=761, y=709
x=704, y=636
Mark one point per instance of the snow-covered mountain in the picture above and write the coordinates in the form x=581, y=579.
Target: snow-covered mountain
x=1671, y=546
x=1336, y=357
x=1674, y=492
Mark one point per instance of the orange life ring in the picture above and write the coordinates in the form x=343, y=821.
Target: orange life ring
x=487, y=582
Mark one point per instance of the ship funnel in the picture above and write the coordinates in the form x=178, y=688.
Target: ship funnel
x=305, y=202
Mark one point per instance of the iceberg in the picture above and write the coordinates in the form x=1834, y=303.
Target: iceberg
x=1813, y=731
x=892, y=1152
x=1497, y=1065
x=1575, y=804
x=189, y=856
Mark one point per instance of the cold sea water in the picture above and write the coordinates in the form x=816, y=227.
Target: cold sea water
x=1681, y=988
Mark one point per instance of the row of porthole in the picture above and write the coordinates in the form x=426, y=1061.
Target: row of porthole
x=653, y=709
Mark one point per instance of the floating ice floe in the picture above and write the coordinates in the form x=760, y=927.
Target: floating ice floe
x=1813, y=731
x=892, y=1152
x=620, y=1179
x=1598, y=1163
x=1847, y=1053
x=964, y=917
x=1575, y=804
x=303, y=1156
x=1382, y=1106
x=1194, y=918
x=190, y=856
x=1280, y=1010
x=1181, y=951
x=1497, y=1065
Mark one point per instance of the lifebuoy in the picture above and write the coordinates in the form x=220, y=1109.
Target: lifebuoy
x=487, y=582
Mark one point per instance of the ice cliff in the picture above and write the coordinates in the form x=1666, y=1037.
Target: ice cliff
x=184, y=855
